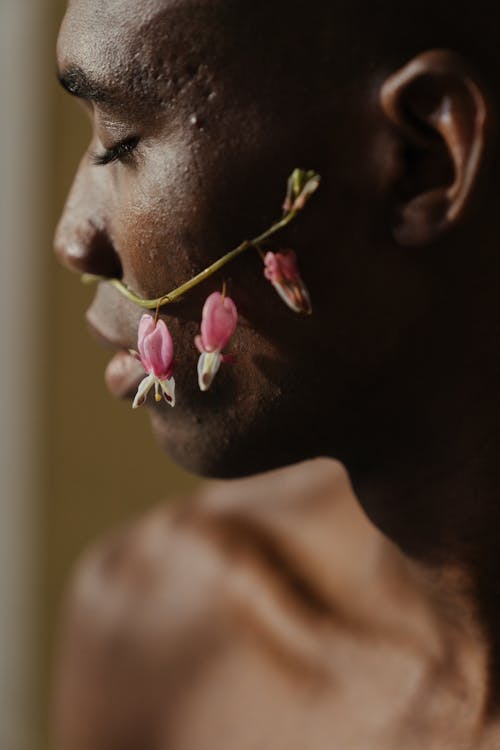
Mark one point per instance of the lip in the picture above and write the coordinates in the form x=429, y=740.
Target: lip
x=123, y=372
x=123, y=375
x=106, y=341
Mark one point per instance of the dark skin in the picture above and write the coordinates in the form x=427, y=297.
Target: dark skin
x=267, y=612
x=396, y=374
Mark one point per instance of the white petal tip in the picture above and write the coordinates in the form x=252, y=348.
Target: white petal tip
x=142, y=391
x=208, y=365
x=168, y=391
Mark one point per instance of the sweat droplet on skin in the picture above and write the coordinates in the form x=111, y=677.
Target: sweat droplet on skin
x=196, y=122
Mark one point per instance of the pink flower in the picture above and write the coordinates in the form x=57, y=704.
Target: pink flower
x=156, y=354
x=219, y=318
x=281, y=270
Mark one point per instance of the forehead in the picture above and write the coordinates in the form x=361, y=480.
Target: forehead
x=107, y=32
x=109, y=37
x=148, y=52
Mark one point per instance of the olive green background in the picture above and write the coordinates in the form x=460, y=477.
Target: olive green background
x=103, y=466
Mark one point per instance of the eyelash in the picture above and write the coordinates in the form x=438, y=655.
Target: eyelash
x=116, y=153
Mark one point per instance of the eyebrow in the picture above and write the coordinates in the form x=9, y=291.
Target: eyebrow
x=77, y=83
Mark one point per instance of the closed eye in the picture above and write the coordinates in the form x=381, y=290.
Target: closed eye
x=115, y=153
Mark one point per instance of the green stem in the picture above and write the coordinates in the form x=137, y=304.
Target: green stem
x=166, y=299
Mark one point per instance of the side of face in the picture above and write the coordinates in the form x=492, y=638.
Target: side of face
x=221, y=106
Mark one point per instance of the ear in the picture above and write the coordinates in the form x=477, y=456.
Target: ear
x=440, y=113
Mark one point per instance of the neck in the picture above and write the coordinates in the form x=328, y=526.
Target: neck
x=435, y=494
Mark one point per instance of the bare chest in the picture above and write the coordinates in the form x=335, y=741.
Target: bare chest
x=359, y=697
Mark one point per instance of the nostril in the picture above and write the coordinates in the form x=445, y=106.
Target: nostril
x=88, y=252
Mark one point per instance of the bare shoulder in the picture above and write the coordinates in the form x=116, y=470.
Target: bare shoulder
x=179, y=549
x=176, y=546
x=177, y=621
x=153, y=601
x=139, y=608
x=158, y=578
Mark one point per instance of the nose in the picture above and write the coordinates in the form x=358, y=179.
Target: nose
x=82, y=242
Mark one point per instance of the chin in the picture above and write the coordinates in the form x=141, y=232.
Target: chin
x=252, y=420
x=229, y=448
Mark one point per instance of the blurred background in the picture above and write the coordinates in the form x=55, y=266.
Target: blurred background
x=73, y=463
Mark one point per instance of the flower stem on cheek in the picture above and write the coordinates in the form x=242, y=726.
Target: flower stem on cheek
x=219, y=315
x=301, y=185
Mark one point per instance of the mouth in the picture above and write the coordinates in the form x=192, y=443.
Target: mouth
x=123, y=372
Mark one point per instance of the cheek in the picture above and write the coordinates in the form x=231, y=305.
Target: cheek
x=244, y=424
x=153, y=226
x=197, y=194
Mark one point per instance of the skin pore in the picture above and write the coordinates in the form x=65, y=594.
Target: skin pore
x=396, y=372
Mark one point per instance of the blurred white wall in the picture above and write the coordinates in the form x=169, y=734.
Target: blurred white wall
x=23, y=144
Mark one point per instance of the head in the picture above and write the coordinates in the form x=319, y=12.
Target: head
x=217, y=102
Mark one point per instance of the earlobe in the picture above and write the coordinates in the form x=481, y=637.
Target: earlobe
x=440, y=112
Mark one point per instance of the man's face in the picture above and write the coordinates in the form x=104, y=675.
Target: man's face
x=214, y=106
